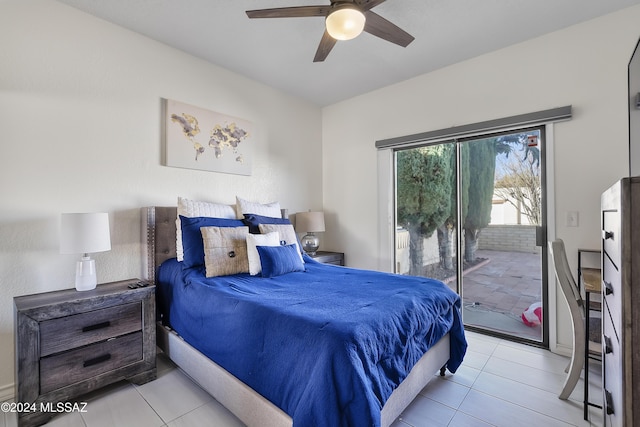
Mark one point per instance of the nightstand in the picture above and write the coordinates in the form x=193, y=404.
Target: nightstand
x=69, y=343
x=336, y=258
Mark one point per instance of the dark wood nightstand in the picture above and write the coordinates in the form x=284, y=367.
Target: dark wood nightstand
x=336, y=258
x=69, y=343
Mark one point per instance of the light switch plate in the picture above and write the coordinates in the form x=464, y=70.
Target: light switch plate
x=572, y=219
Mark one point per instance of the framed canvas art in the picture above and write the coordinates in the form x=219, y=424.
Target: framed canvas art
x=196, y=138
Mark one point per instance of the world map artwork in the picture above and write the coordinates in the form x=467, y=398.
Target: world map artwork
x=222, y=146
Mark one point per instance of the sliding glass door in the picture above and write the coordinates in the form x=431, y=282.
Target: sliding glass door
x=469, y=212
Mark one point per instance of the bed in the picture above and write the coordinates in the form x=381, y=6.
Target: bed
x=346, y=379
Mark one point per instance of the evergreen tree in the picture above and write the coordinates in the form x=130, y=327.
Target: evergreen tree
x=424, y=188
x=446, y=231
x=482, y=168
x=426, y=191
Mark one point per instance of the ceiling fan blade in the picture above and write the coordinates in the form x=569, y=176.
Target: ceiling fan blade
x=380, y=27
x=289, y=12
x=326, y=44
x=369, y=4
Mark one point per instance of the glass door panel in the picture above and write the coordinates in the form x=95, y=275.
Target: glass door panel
x=502, y=279
x=480, y=198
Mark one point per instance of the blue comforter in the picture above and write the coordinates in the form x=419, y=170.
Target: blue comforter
x=327, y=346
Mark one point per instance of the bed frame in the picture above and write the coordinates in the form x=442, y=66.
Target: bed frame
x=159, y=242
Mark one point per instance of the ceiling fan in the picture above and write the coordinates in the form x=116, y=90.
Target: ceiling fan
x=344, y=20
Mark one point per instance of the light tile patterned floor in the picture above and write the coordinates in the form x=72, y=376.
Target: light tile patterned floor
x=499, y=384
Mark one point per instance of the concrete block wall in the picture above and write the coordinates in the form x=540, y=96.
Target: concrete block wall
x=515, y=238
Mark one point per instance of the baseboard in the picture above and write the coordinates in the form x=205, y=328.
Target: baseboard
x=7, y=392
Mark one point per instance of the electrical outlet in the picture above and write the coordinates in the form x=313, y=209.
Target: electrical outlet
x=572, y=219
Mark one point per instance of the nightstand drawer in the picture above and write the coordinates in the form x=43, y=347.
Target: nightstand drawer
x=78, y=330
x=335, y=258
x=77, y=365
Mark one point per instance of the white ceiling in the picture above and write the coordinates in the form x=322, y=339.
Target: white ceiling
x=279, y=52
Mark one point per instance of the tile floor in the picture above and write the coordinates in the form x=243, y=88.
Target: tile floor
x=499, y=384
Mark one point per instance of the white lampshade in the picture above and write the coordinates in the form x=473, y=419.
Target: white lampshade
x=85, y=233
x=345, y=23
x=309, y=222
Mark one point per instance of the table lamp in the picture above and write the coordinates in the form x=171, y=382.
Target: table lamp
x=85, y=233
x=310, y=223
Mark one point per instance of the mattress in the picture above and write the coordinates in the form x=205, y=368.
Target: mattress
x=327, y=345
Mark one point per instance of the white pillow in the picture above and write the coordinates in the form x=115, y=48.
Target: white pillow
x=268, y=209
x=253, y=240
x=195, y=208
x=286, y=232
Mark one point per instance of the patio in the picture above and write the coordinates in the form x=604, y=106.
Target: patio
x=497, y=291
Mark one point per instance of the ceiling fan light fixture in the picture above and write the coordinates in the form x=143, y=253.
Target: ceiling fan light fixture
x=345, y=22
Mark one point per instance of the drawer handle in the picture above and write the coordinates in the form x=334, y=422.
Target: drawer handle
x=100, y=325
x=608, y=288
x=609, y=402
x=96, y=360
x=607, y=235
x=608, y=347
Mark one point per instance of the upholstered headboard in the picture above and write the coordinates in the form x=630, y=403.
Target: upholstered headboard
x=158, y=237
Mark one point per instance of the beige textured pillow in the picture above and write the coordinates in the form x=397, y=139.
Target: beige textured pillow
x=225, y=250
x=286, y=232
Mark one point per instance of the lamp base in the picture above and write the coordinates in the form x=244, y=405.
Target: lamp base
x=310, y=243
x=86, y=278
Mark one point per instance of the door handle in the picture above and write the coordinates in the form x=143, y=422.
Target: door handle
x=608, y=399
x=541, y=236
x=608, y=346
x=608, y=287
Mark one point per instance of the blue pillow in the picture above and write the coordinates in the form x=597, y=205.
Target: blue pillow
x=279, y=260
x=253, y=221
x=192, y=237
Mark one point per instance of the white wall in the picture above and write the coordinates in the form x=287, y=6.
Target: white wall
x=584, y=66
x=80, y=124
